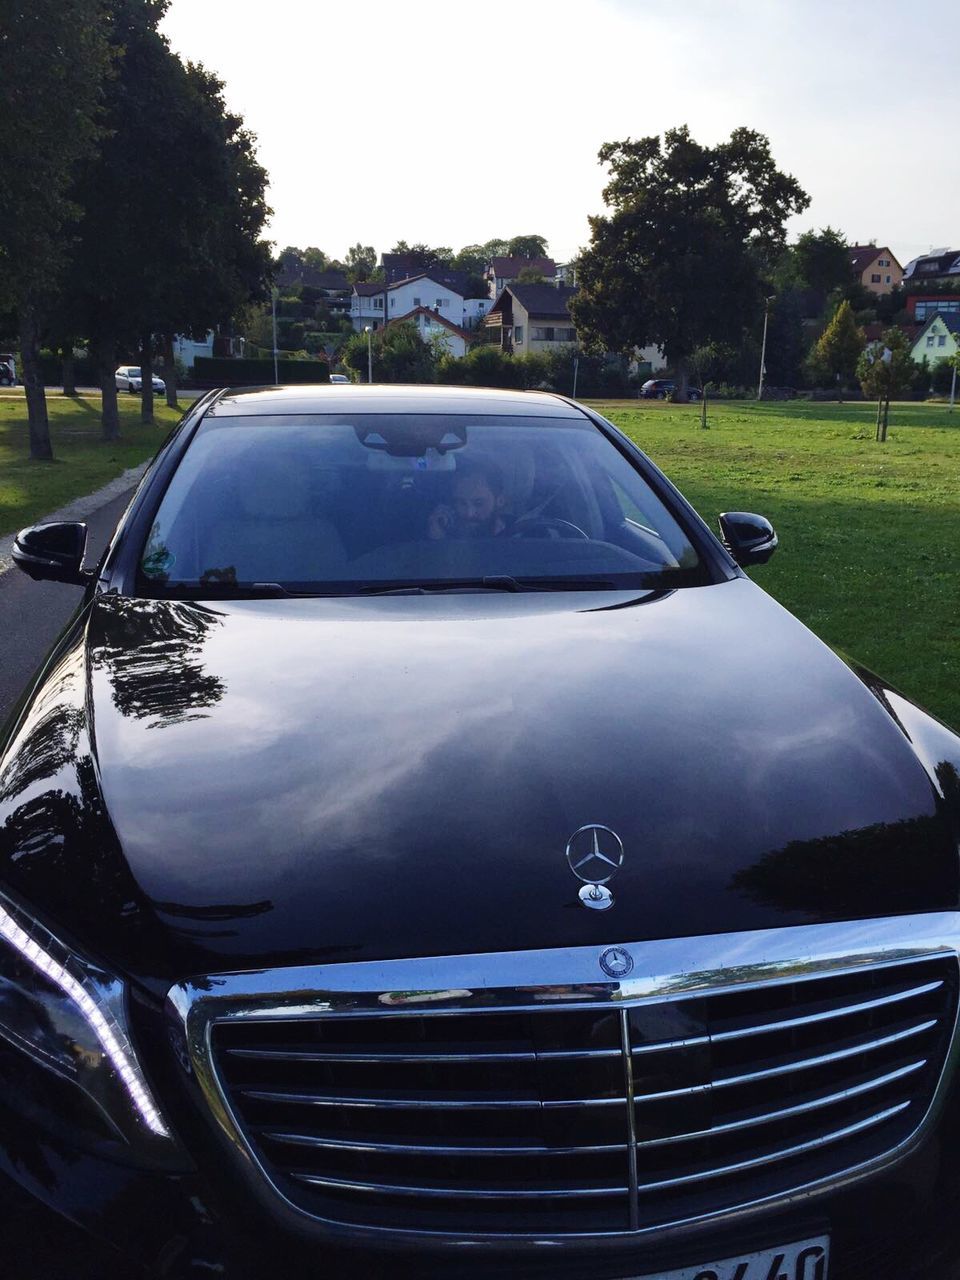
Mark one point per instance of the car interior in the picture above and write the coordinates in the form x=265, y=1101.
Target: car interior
x=301, y=511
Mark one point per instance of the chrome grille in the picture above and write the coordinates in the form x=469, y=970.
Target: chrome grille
x=605, y=1119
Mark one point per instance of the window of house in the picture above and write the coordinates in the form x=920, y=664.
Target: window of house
x=930, y=341
x=886, y=279
x=416, y=302
x=942, y=340
x=442, y=302
x=393, y=302
x=875, y=279
x=518, y=333
x=543, y=334
x=378, y=304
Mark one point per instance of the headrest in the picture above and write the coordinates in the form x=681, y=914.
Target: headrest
x=275, y=489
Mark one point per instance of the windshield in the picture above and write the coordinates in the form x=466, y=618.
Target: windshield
x=330, y=505
x=133, y=373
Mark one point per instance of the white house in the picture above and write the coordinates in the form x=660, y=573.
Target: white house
x=186, y=350
x=366, y=305
x=405, y=297
x=424, y=291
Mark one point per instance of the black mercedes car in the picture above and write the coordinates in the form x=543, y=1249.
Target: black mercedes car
x=426, y=852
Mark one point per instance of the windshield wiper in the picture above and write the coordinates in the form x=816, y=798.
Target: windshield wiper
x=490, y=582
x=228, y=590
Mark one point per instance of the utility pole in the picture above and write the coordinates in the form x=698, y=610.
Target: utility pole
x=576, y=367
x=953, y=383
x=366, y=329
x=763, y=348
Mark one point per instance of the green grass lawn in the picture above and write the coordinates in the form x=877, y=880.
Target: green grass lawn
x=83, y=461
x=869, y=552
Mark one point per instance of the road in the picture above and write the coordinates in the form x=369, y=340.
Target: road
x=183, y=396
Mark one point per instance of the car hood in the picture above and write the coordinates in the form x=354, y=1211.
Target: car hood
x=237, y=784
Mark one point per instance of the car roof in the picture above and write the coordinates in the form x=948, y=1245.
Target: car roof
x=332, y=398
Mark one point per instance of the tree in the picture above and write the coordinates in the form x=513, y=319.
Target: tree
x=495, y=249
x=472, y=258
x=530, y=275
x=886, y=369
x=785, y=340
x=821, y=261
x=679, y=260
x=54, y=58
x=360, y=262
x=314, y=258
x=527, y=247
x=834, y=358
x=154, y=255
x=399, y=355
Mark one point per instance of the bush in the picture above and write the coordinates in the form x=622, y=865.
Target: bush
x=482, y=366
x=210, y=371
x=941, y=377
x=399, y=355
x=51, y=370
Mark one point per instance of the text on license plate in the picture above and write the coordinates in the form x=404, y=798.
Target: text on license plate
x=803, y=1260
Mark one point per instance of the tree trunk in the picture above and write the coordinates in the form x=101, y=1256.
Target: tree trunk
x=107, y=365
x=170, y=372
x=681, y=395
x=146, y=379
x=41, y=450
x=69, y=373
x=886, y=417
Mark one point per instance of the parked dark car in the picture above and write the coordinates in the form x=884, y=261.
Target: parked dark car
x=426, y=852
x=663, y=389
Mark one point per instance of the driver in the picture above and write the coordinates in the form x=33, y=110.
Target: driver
x=477, y=507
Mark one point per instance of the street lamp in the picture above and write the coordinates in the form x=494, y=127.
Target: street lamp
x=366, y=330
x=273, y=303
x=763, y=348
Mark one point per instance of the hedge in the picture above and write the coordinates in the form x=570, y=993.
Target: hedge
x=215, y=371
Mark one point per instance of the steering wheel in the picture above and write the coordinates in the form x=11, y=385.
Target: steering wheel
x=549, y=526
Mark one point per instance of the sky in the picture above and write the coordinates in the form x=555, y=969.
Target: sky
x=453, y=123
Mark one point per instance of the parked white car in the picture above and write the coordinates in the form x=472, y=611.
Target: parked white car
x=129, y=378
x=339, y=377
x=8, y=369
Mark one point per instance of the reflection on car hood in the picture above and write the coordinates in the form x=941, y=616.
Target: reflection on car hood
x=221, y=786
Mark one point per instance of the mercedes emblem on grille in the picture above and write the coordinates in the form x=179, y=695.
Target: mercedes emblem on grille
x=595, y=855
x=616, y=962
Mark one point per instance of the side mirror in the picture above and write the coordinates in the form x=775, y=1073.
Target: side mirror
x=52, y=551
x=751, y=539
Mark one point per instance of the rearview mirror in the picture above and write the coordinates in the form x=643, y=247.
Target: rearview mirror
x=750, y=538
x=52, y=551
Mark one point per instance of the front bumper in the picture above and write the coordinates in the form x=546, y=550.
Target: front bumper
x=895, y=1216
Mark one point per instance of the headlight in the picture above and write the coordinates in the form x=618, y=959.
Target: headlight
x=70, y=1017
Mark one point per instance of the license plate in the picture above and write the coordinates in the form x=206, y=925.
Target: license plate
x=804, y=1260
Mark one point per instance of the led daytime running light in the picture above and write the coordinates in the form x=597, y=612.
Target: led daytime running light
x=119, y=1058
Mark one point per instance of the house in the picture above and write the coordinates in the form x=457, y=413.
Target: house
x=435, y=328
x=533, y=317
x=922, y=306
x=503, y=271
x=939, y=264
x=372, y=302
x=425, y=290
x=398, y=267
x=875, y=268
x=939, y=338
x=368, y=305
